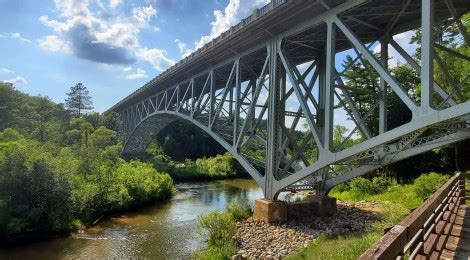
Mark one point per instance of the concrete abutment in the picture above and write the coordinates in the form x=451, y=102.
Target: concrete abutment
x=279, y=211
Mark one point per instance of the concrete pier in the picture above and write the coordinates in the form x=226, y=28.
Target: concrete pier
x=279, y=211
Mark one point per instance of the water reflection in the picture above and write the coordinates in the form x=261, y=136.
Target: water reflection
x=162, y=231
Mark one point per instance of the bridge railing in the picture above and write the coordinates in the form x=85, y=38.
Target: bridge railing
x=424, y=232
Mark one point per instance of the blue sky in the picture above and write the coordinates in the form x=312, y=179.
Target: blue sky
x=111, y=46
x=115, y=46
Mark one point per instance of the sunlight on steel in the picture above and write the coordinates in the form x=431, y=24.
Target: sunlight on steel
x=236, y=89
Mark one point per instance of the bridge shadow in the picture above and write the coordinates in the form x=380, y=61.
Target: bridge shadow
x=458, y=243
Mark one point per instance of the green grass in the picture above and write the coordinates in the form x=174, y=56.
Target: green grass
x=220, y=227
x=393, y=205
x=396, y=193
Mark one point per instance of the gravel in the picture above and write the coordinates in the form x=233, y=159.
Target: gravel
x=259, y=240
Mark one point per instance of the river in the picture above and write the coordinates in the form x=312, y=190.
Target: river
x=165, y=230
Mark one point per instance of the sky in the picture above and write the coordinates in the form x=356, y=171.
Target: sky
x=112, y=46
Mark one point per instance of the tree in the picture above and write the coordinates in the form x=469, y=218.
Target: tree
x=85, y=129
x=44, y=114
x=103, y=137
x=111, y=120
x=78, y=100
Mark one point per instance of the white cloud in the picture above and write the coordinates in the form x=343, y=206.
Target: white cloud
x=114, y=3
x=156, y=29
x=137, y=74
x=183, y=47
x=5, y=71
x=15, y=35
x=17, y=81
x=127, y=69
x=54, y=44
x=232, y=14
x=157, y=57
x=110, y=40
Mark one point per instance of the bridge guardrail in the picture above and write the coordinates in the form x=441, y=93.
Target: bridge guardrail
x=424, y=232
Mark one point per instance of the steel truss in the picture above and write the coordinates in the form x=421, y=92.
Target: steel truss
x=241, y=102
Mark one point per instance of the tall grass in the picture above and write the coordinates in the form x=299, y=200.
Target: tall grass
x=393, y=205
x=220, y=227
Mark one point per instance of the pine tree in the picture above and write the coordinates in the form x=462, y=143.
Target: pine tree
x=79, y=100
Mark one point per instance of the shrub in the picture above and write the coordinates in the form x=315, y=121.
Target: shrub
x=221, y=227
x=239, y=209
x=9, y=135
x=427, y=184
x=216, y=253
x=220, y=165
x=103, y=137
x=366, y=186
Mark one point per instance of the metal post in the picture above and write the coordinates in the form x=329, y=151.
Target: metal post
x=427, y=20
x=236, y=122
x=274, y=133
x=212, y=98
x=329, y=86
x=192, y=96
x=383, y=89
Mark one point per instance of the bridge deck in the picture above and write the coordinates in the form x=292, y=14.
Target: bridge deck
x=458, y=244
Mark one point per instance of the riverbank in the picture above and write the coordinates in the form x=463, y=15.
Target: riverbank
x=393, y=204
x=162, y=230
x=219, y=167
x=256, y=239
x=365, y=209
x=48, y=189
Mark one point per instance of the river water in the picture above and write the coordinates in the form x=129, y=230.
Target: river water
x=166, y=230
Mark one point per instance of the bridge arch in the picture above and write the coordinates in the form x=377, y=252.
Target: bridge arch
x=207, y=90
x=153, y=123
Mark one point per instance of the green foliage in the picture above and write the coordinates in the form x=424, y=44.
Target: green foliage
x=393, y=205
x=103, y=137
x=221, y=166
x=30, y=115
x=143, y=183
x=9, y=135
x=216, y=253
x=78, y=100
x=239, y=210
x=46, y=187
x=427, y=184
x=221, y=227
x=363, y=186
x=182, y=140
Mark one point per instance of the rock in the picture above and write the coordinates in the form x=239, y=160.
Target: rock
x=259, y=240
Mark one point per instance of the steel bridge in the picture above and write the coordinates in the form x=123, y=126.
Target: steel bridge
x=270, y=88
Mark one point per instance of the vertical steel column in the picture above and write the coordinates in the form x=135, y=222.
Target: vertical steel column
x=230, y=98
x=329, y=85
x=236, y=122
x=178, y=96
x=251, y=117
x=383, y=88
x=274, y=113
x=427, y=79
x=192, y=95
x=212, y=98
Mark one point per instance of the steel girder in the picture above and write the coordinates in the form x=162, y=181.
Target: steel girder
x=242, y=103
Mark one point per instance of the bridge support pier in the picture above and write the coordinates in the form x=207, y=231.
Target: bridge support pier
x=271, y=211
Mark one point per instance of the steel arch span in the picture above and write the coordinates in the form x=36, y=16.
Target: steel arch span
x=271, y=91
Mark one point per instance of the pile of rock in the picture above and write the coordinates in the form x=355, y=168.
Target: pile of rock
x=257, y=239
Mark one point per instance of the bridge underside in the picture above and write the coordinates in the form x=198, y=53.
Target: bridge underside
x=275, y=100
